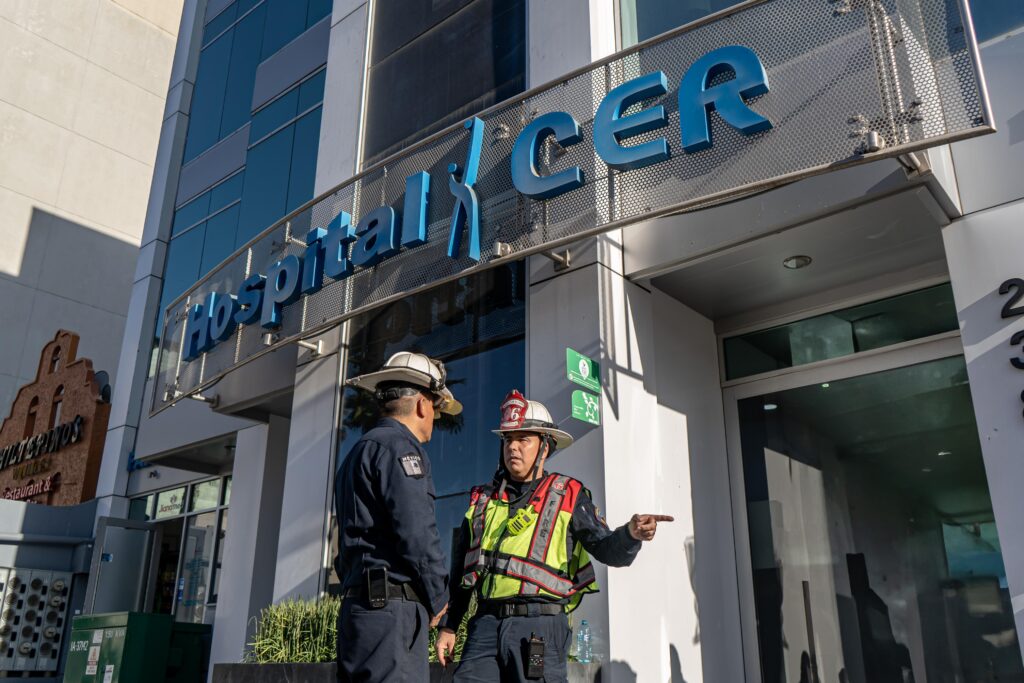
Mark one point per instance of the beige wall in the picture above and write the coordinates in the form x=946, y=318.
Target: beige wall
x=82, y=89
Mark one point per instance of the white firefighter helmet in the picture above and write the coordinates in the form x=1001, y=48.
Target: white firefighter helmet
x=411, y=369
x=520, y=415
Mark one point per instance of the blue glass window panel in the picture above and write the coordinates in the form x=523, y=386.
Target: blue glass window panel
x=220, y=238
x=220, y=22
x=190, y=214
x=318, y=9
x=286, y=19
x=312, y=91
x=208, y=99
x=227, y=192
x=643, y=19
x=245, y=5
x=995, y=17
x=266, y=185
x=245, y=57
x=182, y=268
x=303, y=171
x=462, y=65
x=274, y=115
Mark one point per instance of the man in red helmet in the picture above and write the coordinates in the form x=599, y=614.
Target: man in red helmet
x=525, y=549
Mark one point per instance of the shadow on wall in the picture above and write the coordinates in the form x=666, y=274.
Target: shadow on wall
x=64, y=274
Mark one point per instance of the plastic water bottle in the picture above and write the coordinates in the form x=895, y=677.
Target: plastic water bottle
x=584, y=649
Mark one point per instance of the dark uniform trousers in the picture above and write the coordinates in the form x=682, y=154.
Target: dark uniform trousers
x=387, y=644
x=495, y=648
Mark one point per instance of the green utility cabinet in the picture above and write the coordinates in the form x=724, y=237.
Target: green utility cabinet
x=135, y=647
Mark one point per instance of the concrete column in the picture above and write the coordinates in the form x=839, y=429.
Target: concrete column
x=130, y=399
x=984, y=250
x=308, y=482
x=247, y=584
x=660, y=448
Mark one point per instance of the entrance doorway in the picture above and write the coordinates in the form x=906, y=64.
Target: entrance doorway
x=866, y=542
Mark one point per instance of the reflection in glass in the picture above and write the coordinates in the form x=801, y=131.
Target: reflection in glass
x=204, y=495
x=872, y=537
x=643, y=19
x=476, y=325
x=874, y=325
x=169, y=503
x=196, y=565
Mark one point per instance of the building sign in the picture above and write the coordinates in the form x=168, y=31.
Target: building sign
x=735, y=104
x=51, y=444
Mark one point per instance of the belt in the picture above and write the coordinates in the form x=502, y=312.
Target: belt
x=503, y=610
x=396, y=591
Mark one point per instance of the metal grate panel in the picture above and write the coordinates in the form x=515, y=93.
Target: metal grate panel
x=903, y=71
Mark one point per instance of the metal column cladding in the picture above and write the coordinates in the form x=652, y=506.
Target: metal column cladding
x=764, y=93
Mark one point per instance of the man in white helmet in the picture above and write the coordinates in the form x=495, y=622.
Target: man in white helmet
x=524, y=548
x=390, y=561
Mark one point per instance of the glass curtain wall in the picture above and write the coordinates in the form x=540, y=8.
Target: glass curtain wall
x=874, y=550
x=284, y=136
x=436, y=62
x=476, y=325
x=640, y=20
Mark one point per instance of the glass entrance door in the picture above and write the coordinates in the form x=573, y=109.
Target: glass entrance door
x=866, y=540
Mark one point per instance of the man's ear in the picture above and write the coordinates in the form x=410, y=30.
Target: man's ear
x=421, y=410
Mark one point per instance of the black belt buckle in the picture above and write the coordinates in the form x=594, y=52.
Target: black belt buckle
x=535, y=657
x=377, y=587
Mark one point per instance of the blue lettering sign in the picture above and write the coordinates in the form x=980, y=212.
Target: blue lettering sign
x=282, y=288
x=525, y=176
x=335, y=251
x=378, y=237
x=697, y=97
x=466, y=213
x=611, y=127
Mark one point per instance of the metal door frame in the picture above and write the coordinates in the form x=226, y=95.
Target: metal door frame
x=95, y=565
x=893, y=357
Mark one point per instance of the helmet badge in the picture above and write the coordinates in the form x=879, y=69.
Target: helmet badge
x=513, y=410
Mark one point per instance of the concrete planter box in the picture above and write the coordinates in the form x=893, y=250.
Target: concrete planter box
x=327, y=673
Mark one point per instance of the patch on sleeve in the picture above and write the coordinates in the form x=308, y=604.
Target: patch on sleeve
x=412, y=464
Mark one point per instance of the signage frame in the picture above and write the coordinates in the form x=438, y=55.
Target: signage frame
x=171, y=394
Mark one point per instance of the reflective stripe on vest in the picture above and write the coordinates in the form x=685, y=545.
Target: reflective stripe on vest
x=532, y=570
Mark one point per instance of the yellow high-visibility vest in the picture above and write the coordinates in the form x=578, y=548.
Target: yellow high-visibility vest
x=535, y=561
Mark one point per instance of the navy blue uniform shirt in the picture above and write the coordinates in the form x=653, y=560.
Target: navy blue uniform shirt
x=384, y=496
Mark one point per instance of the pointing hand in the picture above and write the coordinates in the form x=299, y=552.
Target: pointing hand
x=643, y=527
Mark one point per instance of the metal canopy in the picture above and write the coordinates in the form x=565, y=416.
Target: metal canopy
x=850, y=81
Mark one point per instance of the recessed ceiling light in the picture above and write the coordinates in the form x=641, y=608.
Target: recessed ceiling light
x=771, y=406
x=926, y=469
x=826, y=385
x=797, y=262
x=943, y=454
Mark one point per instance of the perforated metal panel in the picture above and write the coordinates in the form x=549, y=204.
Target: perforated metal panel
x=841, y=73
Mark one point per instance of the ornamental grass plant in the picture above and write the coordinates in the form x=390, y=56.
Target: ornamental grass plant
x=306, y=632
x=296, y=632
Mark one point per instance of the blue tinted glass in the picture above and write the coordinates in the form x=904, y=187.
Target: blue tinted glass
x=312, y=91
x=245, y=5
x=318, y=9
x=303, y=175
x=996, y=17
x=220, y=22
x=220, y=238
x=182, y=268
x=193, y=212
x=643, y=19
x=274, y=115
x=286, y=19
x=208, y=98
x=227, y=192
x=245, y=57
x=266, y=185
